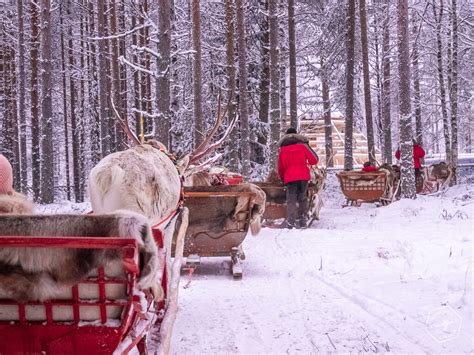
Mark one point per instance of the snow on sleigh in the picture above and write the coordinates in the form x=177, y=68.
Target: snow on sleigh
x=72, y=284
x=219, y=220
x=378, y=187
x=275, y=207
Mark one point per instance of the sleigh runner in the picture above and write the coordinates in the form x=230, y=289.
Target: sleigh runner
x=102, y=313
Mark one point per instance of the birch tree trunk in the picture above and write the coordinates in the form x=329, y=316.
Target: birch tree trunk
x=275, y=114
x=34, y=98
x=197, y=83
x=386, y=90
x=292, y=55
x=349, y=121
x=231, y=83
x=408, y=189
x=163, y=85
x=21, y=99
x=367, y=95
x=47, y=176
x=243, y=96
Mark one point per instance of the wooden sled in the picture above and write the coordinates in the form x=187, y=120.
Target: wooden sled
x=275, y=207
x=213, y=231
x=363, y=187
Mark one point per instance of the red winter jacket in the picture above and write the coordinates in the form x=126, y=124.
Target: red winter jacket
x=369, y=169
x=418, y=153
x=293, y=163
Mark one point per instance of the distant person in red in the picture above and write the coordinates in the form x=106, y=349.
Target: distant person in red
x=418, y=154
x=369, y=167
x=293, y=160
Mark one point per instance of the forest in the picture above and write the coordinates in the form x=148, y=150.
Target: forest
x=74, y=72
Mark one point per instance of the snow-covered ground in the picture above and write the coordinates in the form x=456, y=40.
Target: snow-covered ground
x=396, y=278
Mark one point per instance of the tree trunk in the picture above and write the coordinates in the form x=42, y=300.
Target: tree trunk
x=121, y=136
x=93, y=91
x=197, y=87
x=9, y=145
x=116, y=82
x=47, y=170
x=292, y=55
x=454, y=90
x=243, y=96
x=367, y=95
x=327, y=117
x=104, y=94
x=234, y=146
x=264, y=85
x=82, y=110
x=75, y=128
x=378, y=78
x=34, y=98
x=349, y=121
x=386, y=91
x=447, y=139
x=65, y=110
x=21, y=99
x=408, y=189
x=136, y=80
x=275, y=114
x=416, y=84
x=163, y=83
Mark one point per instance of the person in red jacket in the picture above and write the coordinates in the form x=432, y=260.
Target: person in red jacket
x=295, y=155
x=418, y=154
x=369, y=167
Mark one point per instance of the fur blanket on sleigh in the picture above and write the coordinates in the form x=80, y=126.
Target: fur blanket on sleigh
x=37, y=274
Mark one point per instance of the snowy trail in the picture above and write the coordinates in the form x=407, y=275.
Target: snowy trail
x=378, y=285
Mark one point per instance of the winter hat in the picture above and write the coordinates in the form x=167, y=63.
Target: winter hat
x=6, y=176
x=291, y=130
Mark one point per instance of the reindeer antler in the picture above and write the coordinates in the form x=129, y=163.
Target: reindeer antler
x=204, y=148
x=124, y=124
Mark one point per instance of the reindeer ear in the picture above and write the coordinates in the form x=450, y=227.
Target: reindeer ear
x=183, y=164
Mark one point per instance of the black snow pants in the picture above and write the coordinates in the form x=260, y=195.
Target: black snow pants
x=296, y=193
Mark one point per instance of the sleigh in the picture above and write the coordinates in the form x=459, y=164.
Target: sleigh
x=367, y=187
x=213, y=229
x=434, y=178
x=104, y=313
x=275, y=207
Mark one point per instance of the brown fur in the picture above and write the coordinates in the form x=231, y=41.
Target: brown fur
x=43, y=273
x=15, y=203
x=273, y=178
